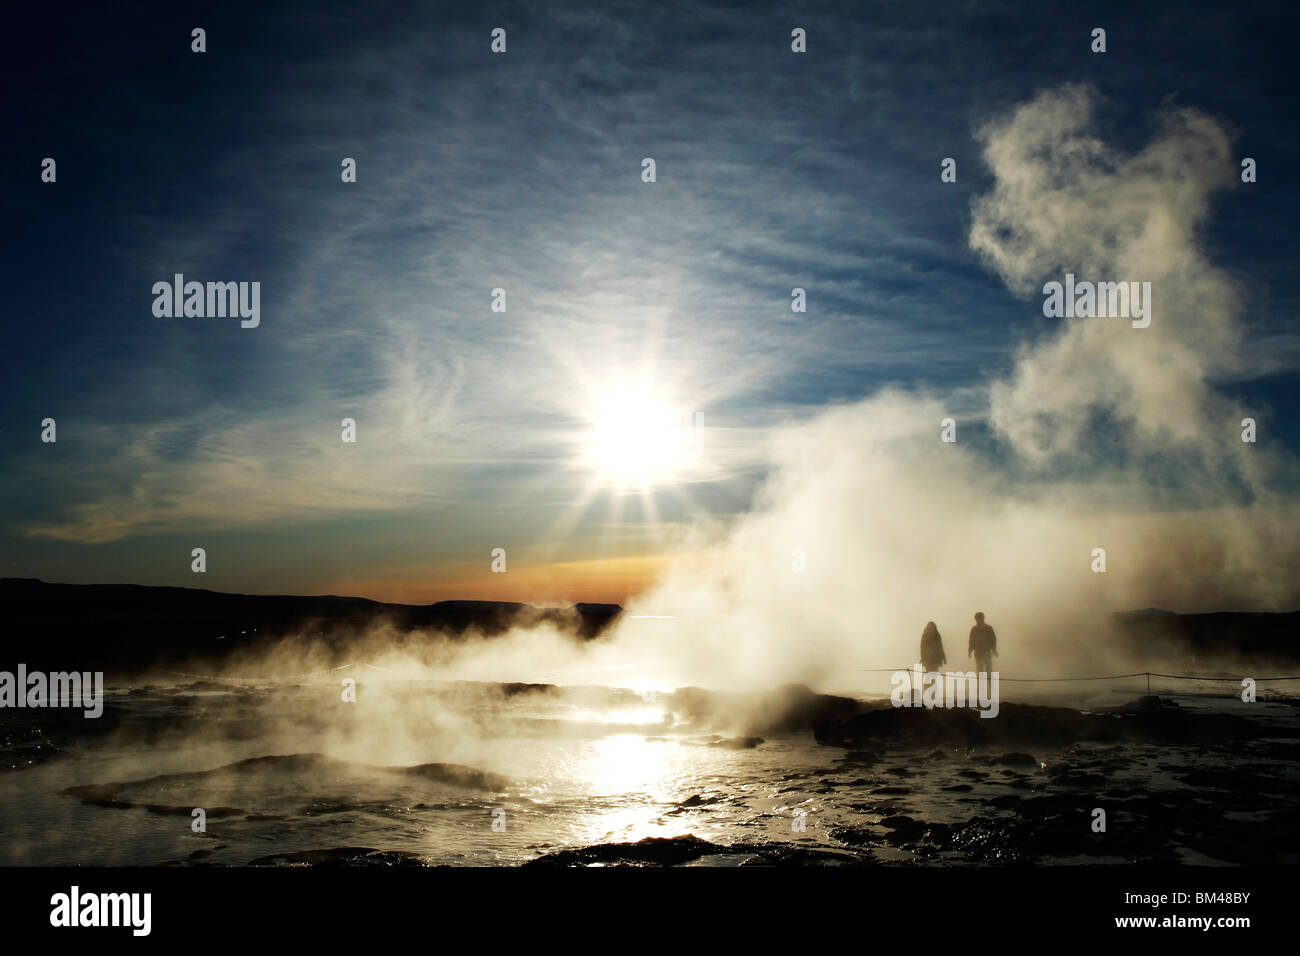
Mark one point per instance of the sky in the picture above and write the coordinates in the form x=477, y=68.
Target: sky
x=553, y=429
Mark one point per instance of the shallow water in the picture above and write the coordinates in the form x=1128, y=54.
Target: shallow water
x=570, y=767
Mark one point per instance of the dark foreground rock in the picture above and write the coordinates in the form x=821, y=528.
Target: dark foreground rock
x=349, y=857
x=675, y=851
x=652, y=851
x=1057, y=828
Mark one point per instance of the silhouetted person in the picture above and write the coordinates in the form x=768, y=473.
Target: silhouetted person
x=932, y=655
x=983, y=644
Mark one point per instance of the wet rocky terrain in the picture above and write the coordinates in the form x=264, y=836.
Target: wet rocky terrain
x=1176, y=786
x=422, y=773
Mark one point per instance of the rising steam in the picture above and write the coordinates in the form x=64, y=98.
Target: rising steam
x=1099, y=436
x=1102, y=436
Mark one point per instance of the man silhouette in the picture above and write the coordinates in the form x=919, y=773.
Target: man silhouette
x=983, y=644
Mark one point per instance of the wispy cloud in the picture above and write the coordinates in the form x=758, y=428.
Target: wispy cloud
x=522, y=172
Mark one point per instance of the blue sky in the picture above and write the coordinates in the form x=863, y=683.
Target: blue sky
x=522, y=171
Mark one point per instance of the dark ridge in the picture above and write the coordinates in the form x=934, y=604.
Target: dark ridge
x=125, y=628
x=1155, y=635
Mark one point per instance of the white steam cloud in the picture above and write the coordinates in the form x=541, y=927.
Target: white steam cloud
x=1103, y=436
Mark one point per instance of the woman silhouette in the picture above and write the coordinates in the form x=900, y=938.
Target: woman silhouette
x=932, y=655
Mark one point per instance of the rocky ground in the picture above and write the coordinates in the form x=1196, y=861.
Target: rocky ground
x=1176, y=787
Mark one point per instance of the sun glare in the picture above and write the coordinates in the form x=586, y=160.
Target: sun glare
x=637, y=439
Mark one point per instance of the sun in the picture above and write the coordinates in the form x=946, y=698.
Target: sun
x=638, y=438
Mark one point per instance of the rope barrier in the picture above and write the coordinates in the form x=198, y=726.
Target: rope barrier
x=1030, y=680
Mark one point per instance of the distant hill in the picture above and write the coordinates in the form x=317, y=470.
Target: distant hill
x=124, y=627
x=1222, y=635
